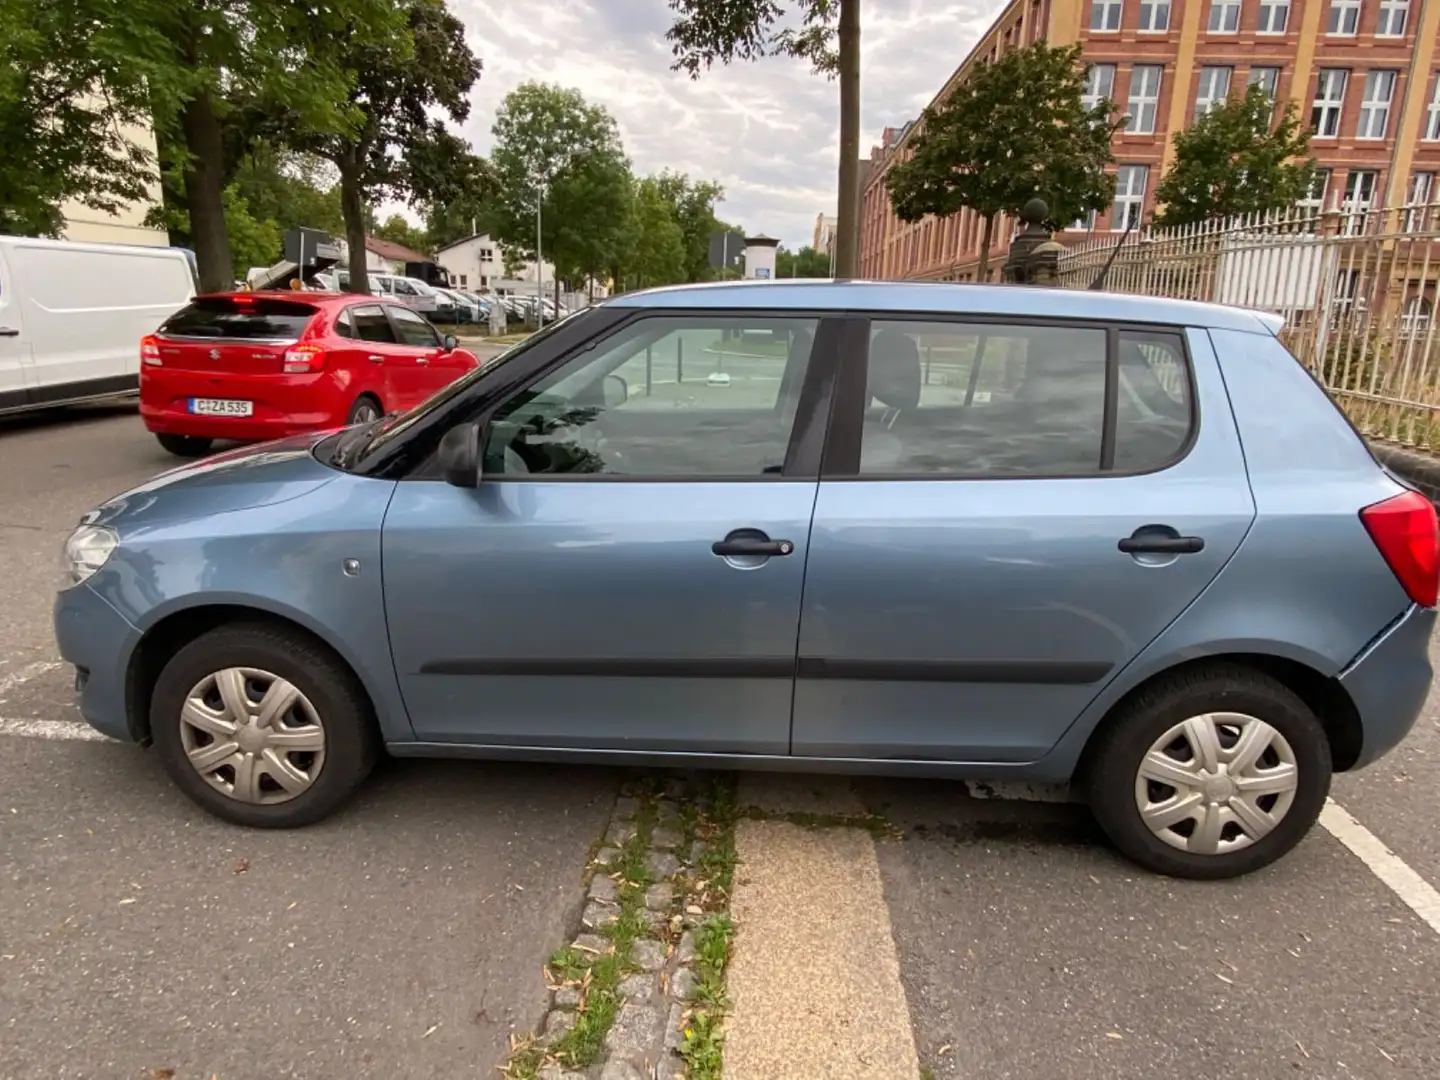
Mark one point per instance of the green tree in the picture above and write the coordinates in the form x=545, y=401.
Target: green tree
x=557, y=153
x=74, y=74
x=692, y=204
x=1237, y=159
x=396, y=229
x=825, y=32
x=253, y=241
x=657, y=254
x=1015, y=129
x=805, y=263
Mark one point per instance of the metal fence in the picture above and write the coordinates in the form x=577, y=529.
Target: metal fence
x=1356, y=285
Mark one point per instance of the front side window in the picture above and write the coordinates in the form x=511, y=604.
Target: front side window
x=1019, y=401
x=1393, y=16
x=1154, y=16
x=414, y=330
x=1329, y=101
x=1213, y=89
x=1274, y=17
x=1129, y=196
x=1144, y=98
x=1105, y=14
x=1343, y=19
x=1375, y=108
x=1224, y=16
x=1099, y=84
x=697, y=397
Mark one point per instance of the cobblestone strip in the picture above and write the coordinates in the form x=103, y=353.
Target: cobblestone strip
x=633, y=998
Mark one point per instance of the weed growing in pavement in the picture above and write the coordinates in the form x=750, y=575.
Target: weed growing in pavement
x=703, y=1043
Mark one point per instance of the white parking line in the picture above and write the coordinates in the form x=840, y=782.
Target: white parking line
x=51, y=729
x=21, y=675
x=1416, y=893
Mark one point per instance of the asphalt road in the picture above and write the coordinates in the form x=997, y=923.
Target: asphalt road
x=405, y=937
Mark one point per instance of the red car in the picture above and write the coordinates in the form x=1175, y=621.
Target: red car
x=252, y=366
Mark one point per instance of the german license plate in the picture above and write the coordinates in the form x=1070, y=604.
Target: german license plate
x=221, y=407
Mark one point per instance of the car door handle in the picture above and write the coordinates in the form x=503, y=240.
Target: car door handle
x=751, y=546
x=9, y=331
x=1160, y=544
x=422, y=360
x=376, y=359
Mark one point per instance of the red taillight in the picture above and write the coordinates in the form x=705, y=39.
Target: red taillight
x=1406, y=532
x=150, y=351
x=304, y=359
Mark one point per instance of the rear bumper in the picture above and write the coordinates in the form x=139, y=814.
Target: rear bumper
x=1389, y=683
x=99, y=641
x=283, y=405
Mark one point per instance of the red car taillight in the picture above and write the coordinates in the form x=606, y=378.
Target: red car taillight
x=304, y=359
x=1406, y=532
x=150, y=351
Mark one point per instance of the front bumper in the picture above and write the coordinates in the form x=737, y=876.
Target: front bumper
x=99, y=641
x=1389, y=683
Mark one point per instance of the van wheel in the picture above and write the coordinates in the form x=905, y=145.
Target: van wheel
x=262, y=726
x=365, y=409
x=187, y=446
x=1210, y=774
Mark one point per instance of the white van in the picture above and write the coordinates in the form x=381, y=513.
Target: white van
x=72, y=316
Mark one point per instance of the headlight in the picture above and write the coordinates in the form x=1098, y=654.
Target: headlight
x=86, y=552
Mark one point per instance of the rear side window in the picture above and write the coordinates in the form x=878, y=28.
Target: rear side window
x=992, y=400
x=344, y=326
x=372, y=325
x=240, y=317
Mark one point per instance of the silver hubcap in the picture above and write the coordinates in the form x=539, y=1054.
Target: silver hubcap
x=365, y=413
x=1216, y=783
x=252, y=735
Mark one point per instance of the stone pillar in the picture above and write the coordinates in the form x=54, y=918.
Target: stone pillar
x=1034, y=254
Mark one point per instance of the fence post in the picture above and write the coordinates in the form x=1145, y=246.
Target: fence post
x=1034, y=257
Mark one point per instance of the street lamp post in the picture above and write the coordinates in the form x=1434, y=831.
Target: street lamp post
x=539, y=257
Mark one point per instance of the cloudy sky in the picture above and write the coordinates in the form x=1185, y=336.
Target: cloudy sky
x=767, y=131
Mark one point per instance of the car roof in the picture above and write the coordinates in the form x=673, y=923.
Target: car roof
x=946, y=298
x=314, y=297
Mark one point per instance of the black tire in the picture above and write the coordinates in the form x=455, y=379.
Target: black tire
x=366, y=408
x=186, y=446
x=352, y=741
x=1115, y=760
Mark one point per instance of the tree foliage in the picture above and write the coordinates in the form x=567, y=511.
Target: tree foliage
x=805, y=263
x=1015, y=129
x=824, y=32
x=692, y=205
x=657, y=255
x=557, y=152
x=1237, y=159
x=398, y=230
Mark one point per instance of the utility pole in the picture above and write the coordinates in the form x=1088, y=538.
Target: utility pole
x=539, y=257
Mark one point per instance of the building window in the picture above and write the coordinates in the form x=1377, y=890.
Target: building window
x=1359, y=196
x=1154, y=16
x=462, y=281
x=1274, y=17
x=1266, y=77
x=1105, y=14
x=487, y=255
x=1099, y=84
x=1375, y=109
x=1129, y=196
x=1329, y=100
x=1224, y=16
x=1144, y=98
x=1213, y=90
x=1344, y=18
x=1393, y=16
x=1417, y=198
x=1313, y=204
x=1432, y=116
x=1086, y=223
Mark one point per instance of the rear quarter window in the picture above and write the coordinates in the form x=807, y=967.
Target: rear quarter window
x=245, y=318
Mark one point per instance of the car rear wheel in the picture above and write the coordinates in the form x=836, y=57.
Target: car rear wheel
x=262, y=727
x=186, y=446
x=1210, y=774
x=365, y=409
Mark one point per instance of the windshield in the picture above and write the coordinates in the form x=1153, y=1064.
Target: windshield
x=385, y=431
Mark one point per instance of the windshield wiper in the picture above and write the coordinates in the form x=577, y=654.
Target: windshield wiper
x=353, y=444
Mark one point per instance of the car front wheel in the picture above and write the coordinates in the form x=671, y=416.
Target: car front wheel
x=1210, y=774
x=262, y=726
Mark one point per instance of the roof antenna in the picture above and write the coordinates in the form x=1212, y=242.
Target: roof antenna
x=1099, y=283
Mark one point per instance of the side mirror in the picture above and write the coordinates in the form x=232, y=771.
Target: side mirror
x=451, y=342
x=459, y=456
x=617, y=391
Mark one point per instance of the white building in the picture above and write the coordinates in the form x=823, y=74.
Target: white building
x=477, y=263
x=127, y=224
x=760, y=252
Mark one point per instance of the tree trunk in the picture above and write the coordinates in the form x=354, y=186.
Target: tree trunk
x=982, y=272
x=204, y=195
x=847, y=226
x=352, y=206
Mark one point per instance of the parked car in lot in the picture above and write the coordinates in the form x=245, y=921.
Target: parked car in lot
x=254, y=366
x=70, y=314
x=463, y=308
x=923, y=530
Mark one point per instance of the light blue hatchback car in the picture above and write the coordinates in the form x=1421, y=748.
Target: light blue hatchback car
x=936, y=530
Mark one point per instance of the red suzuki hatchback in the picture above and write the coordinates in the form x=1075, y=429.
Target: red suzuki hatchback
x=253, y=366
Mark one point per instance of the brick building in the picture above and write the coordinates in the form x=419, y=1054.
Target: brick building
x=1364, y=72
